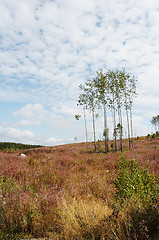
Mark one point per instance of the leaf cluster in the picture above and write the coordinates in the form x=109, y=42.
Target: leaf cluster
x=155, y=121
x=108, y=88
x=135, y=182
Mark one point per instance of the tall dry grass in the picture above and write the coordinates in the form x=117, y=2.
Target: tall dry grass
x=82, y=219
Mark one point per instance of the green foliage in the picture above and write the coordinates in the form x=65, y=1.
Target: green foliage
x=157, y=134
x=14, y=146
x=112, y=146
x=135, y=182
x=77, y=116
x=7, y=185
x=10, y=236
x=155, y=121
x=99, y=147
x=153, y=135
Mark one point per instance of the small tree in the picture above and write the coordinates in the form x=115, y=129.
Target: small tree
x=154, y=121
x=132, y=95
x=158, y=122
x=119, y=130
x=121, y=85
x=88, y=99
x=129, y=94
x=112, y=86
x=82, y=101
x=102, y=91
x=135, y=182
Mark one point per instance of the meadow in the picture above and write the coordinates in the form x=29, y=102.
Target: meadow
x=69, y=192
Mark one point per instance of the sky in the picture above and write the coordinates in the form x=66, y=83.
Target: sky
x=49, y=47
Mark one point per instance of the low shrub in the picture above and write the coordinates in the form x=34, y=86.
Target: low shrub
x=136, y=213
x=134, y=221
x=135, y=182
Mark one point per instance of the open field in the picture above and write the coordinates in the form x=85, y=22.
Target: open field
x=66, y=192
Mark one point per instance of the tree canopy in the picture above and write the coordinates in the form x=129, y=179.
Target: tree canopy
x=114, y=91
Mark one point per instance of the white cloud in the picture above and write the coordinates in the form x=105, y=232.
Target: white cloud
x=49, y=47
x=53, y=141
x=16, y=135
x=32, y=111
x=140, y=127
x=149, y=80
x=25, y=123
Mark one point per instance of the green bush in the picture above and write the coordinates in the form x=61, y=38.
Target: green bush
x=157, y=134
x=135, y=182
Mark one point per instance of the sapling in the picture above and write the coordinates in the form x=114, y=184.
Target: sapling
x=133, y=181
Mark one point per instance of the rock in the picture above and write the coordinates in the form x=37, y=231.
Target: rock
x=22, y=155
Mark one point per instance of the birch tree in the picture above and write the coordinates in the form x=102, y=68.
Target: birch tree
x=82, y=101
x=154, y=122
x=112, y=86
x=158, y=122
x=89, y=99
x=132, y=95
x=77, y=117
x=121, y=85
x=101, y=85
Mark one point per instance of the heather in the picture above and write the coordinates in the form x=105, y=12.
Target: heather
x=70, y=192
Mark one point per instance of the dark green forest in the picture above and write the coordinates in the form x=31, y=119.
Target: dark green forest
x=14, y=146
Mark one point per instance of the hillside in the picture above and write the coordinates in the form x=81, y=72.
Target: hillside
x=66, y=192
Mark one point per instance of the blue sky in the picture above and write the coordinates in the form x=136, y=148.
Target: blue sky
x=48, y=48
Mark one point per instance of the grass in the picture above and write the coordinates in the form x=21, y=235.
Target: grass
x=67, y=192
x=82, y=218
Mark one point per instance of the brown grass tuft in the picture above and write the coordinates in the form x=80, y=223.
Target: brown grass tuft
x=82, y=218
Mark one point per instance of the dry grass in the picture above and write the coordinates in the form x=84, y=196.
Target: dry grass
x=82, y=218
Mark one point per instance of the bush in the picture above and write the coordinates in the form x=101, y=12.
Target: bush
x=157, y=134
x=148, y=136
x=136, y=212
x=134, y=221
x=135, y=182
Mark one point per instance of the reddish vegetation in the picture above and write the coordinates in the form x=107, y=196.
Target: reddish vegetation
x=33, y=189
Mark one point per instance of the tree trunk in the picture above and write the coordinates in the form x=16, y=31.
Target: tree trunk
x=94, y=130
x=127, y=114
x=85, y=123
x=114, y=119
x=131, y=121
x=121, y=128
x=106, y=130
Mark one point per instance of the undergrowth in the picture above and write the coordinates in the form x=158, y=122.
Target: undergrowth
x=136, y=182
x=136, y=198
x=68, y=193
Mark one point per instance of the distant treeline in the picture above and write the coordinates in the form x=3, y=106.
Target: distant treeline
x=12, y=145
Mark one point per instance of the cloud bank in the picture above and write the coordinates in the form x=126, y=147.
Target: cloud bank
x=48, y=48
